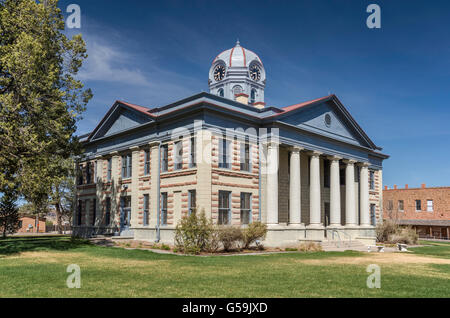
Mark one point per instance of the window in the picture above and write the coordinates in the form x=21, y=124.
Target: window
x=245, y=156
x=146, y=209
x=147, y=162
x=178, y=152
x=95, y=171
x=429, y=205
x=418, y=205
x=371, y=180
x=164, y=158
x=192, y=201
x=246, y=211
x=373, y=216
x=220, y=92
x=390, y=205
x=164, y=208
x=88, y=173
x=80, y=210
x=109, y=174
x=224, y=159
x=126, y=166
x=80, y=175
x=326, y=173
x=108, y=211
x=253, y=96
x=193, y=153
x=94, y=211
x=400, y=205
x=237, y=90
x=224, y=207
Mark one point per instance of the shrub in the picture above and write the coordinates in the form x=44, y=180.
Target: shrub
x=310, y=247
x=213, y=242
x=192, y=234
x=230, y=236
x=291, y=249
x=390, y=232
x=254, y=232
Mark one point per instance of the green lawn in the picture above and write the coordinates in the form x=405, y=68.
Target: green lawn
x=36, y=267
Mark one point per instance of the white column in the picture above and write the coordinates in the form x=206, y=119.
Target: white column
x=364, y=199
x=350, y=209
x=335, y=193
x=314, y=190
x=294, y=187
x=272, y=183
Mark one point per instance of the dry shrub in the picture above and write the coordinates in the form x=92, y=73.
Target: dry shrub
x=254, y=232
x=193, y=233
x=310, y=247
x=230, y=237
x=390, y=232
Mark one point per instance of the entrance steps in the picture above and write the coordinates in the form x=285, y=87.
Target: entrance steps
x=343, y=245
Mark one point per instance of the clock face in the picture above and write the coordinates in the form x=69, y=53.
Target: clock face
x=219, y=72
x=255, y=73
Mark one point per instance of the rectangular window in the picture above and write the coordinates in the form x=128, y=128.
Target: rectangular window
x=147, y=162
x=178, y=155
x=95, y=171
x=400, y=205
x=326, y=173
x=224, y=207
x=373, y=216
x=390, y=205
x=224, y=156
x=80, y=211
x=164, y=158
x=193, y=153
x=192, y=201
x=88, y=173
x=108, y=211
x=418, y=205
x=126, y=166
x=109, y=173
x=246, y=210
x=429, y=205
x=245, y=156
x=164, y=208
x=94, y=211
x=146, y=209
x=371, y=180
x=80, y=175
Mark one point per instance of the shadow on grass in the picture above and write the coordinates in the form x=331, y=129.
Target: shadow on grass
x=14, y=245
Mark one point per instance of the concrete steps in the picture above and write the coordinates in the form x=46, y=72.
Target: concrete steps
x=343, y=245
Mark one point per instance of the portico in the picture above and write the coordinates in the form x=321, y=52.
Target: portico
x=325, y=211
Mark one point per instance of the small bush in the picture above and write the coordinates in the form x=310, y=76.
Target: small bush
x=390, y=232
x=310, y=247
x=192, y=234
x=230, y=237
x=291, y=249
x=254, y=232
x=165, y=247
x=213, y=243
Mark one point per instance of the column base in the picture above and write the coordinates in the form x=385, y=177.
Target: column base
x=315, y=231
x=299, y=226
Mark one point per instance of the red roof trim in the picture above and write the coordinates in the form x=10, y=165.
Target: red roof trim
x=231, y=55
x=240, y=94
x=141, y=109
x=297, y=106
x=245, y=58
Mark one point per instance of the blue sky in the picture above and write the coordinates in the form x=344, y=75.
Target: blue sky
x=394, y=80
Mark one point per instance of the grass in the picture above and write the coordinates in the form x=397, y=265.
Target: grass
x=36, y=267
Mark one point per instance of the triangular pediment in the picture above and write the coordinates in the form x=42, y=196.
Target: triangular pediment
x=328, y=118
x=120, y=118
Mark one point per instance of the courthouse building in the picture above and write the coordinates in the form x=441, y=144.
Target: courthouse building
x=306, y=170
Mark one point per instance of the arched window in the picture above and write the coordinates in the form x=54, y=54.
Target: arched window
x=220, y=92
x=237, y=90
x=253, y=96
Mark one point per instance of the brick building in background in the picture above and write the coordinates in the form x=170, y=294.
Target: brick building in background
x=425, y=209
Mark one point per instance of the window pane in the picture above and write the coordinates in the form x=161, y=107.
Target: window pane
x=224, y=207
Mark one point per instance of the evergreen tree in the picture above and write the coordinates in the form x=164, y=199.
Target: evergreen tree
x=9, y=213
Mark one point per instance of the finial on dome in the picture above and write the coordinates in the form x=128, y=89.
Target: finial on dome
x=238, y=43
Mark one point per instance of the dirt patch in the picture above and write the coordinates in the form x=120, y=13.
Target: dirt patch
x=379, y=258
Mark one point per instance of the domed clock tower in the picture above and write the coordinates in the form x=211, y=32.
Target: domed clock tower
x=238, y=72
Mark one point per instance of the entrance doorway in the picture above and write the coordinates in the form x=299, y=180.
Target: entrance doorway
x=125, y=213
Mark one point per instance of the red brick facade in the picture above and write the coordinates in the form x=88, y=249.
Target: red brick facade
x=426, y=209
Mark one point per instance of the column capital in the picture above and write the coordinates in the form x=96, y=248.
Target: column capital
x=363, y=164
x=114, y=153
x=153, y=143
x=296, y=149
x=134, y=148
x=271, y=144
x=334, y=158
x=349, y=161
x=314, y=153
